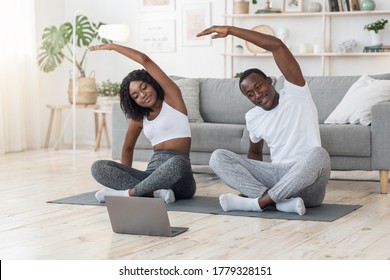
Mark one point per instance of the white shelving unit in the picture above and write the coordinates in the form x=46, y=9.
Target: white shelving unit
x=326, y=18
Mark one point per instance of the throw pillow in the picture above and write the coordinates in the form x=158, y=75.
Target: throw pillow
x=190, y=92
x=356, y=105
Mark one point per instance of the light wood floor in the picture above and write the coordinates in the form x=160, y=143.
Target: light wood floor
x=30, y=228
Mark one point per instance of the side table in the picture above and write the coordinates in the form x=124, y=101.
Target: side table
x=56, y=112
x=102, y=126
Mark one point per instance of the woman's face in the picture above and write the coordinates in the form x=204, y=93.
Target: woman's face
x=143, y=93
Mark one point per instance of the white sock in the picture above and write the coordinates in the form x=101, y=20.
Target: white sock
x=230, y=202
x=99, y=195
x=294, y=205
x=166, y=194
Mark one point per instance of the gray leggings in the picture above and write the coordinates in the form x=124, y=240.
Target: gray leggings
x=166, y=170
x=306, y=178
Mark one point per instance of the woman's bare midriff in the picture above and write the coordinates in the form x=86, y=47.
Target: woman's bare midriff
x=181, y=145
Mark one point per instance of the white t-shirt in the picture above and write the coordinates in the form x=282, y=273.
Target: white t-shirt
x=290, y=129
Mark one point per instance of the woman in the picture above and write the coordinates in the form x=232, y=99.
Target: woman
x=154, y=104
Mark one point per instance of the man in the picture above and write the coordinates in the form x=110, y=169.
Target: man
x=287, y=121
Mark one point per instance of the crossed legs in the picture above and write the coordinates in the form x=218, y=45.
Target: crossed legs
x=168, y=176
x=287, y=186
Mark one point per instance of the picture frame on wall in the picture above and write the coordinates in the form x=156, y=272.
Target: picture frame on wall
x=157, y=36
x=195, y=18
x=292, y=6
x=157, y=5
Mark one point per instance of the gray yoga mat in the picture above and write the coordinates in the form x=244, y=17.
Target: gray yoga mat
x=210, y=205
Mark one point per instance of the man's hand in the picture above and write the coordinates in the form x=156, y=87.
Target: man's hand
x=222, y=32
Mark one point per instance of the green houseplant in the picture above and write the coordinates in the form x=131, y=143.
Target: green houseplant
x=376, y=26
x=56, y=47
x=57, y=43
x=375, y=30
x=108, y=93
x=108, y=88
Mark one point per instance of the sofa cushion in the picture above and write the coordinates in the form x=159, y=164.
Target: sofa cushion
x=328, y=91
x=341, y=140
x=143, y=142
x=346, y=140
x=221, y=101
x=207, y=137
x=355, y=107
x=190, y=92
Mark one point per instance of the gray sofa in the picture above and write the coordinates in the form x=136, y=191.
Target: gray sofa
x=222, y=107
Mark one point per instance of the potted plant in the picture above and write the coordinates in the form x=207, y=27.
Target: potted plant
x=376, y=26
x=375, y=29
x=56, y=47
x=108, y=93
x=238, y=49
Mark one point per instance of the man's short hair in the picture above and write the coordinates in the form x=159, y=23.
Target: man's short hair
x=246, y=73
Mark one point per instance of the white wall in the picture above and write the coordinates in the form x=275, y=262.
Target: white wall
x=189, y=61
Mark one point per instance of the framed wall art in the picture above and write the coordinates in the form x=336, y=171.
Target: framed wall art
x=157, y=5
x=195, y=18
x=158, y=36
x=293, y=6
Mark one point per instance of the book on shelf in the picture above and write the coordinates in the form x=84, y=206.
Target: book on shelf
x=343, y=5
x=376, y=49
x=333, y=5
x=346, y=5
x=340, y=4
x=354, y=5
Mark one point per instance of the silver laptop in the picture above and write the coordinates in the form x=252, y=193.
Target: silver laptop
x=140, y=215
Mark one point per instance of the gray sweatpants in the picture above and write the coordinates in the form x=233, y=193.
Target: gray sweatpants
x=306, y=178
x=166, y=170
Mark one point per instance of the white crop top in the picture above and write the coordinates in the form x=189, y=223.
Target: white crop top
x=169, y=124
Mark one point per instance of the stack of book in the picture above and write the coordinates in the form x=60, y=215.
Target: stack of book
x=268, y=11
x=343, y=5
x=378, y=48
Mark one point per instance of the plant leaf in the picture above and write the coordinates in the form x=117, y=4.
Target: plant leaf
x=50, y=53
x=48, y=61
x=53, y=39
x=103, y=40
x=84, y=31
x=56, y=40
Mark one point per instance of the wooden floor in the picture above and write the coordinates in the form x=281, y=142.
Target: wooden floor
x=30, y=228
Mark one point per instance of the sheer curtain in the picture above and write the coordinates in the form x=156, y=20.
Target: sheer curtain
x=19, y=95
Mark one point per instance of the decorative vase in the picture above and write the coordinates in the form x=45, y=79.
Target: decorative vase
x=240, y=7
x=238, y=49
x=314, y=7
x=368, y=5
x=106, y=102
x=376, y=38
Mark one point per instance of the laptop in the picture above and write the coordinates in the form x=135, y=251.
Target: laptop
x=140, y=215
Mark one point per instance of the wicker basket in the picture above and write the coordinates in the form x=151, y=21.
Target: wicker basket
x=87, y=91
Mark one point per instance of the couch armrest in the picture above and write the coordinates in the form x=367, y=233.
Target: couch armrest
x=119, y=128
x=380, y=136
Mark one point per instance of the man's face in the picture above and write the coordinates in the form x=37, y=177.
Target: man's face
x=260, y=91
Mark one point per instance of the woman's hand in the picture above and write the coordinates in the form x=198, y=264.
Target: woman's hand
x=107, y=47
